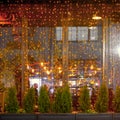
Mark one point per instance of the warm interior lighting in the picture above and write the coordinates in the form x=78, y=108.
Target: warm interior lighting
x=91, y=67
x=41, y=63
x=48, y=72
x=118, y=51
x=44, y=67
x=28, y=67
x=4, y=21
x=95, y=17
x=33, y=70
x=98, y=69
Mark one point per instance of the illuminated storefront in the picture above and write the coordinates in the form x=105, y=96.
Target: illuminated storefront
x=52, y=43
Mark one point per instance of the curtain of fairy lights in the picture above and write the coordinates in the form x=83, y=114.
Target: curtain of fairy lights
x=114, y=54
x=111, y=60
x=45, y=51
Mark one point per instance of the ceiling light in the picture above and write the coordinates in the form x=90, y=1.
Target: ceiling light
x=95, y=17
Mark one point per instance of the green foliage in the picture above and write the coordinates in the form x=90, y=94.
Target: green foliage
x=43, y=100
x=84, y=99
x=29, y=101
x=63, y=100
x=11, y=101
x=117, y=99
x=21, y=110
x=57, y=104
x=102, y=100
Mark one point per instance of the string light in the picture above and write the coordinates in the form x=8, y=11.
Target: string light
x=41, y=18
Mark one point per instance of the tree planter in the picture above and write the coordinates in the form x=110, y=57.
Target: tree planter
x=18, y=117
x=61, y=116
x=58, y=116
x=116, y=116
x=94, y=116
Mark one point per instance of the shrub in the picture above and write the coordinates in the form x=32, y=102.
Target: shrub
x=117, y=99
x=102, y=99
x=43, y=100
x=21, y=110
x=57, y=104
x=84, y=99
x=11, y=101
x=29, y=101
x=63, y=100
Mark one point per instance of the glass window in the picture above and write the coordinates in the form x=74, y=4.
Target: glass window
x=58, y=33
x=72, y=33
x=93, y=33
x=82, y=33
x=78, y=33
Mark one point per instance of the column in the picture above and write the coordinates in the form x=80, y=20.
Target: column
x=24, y=51
x=65, y=53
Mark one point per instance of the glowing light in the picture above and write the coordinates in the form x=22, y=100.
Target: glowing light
x=90, y=74
x=33, y=70
x=44, y=67
x=60, y=71
x=41, y=63
x=59, y=68
x=95, y=17
x=118, y=51
x=37, y=73
x=28, y=67
x=48, y=72
x=91, y=67
x=96, y=84
x=95, y=71
x=98, y=69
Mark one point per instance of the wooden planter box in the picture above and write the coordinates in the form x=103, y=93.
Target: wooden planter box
x=95, y=116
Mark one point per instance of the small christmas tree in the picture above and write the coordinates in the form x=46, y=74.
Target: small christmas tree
x=66, y=99
x=43, y=100
x=117, y=100
x=102, y=99
x=84, y=99
x=29, y=101
x=57, y=102
x=11, y=101
x=63, y=100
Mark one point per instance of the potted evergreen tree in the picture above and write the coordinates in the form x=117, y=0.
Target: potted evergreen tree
x=102, y=99
x=11, y=101
x=29, y=101
x=57, y=104
x=117, y=100
x=12, y=106
x=43, y=100
x=101, y=105
x=62, y=105
x=63, y=100
x=84, y=99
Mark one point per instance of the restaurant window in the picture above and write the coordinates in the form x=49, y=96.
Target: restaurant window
x=81, y=33
x=93, y=33
x=58, y=33
x=72, y=33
